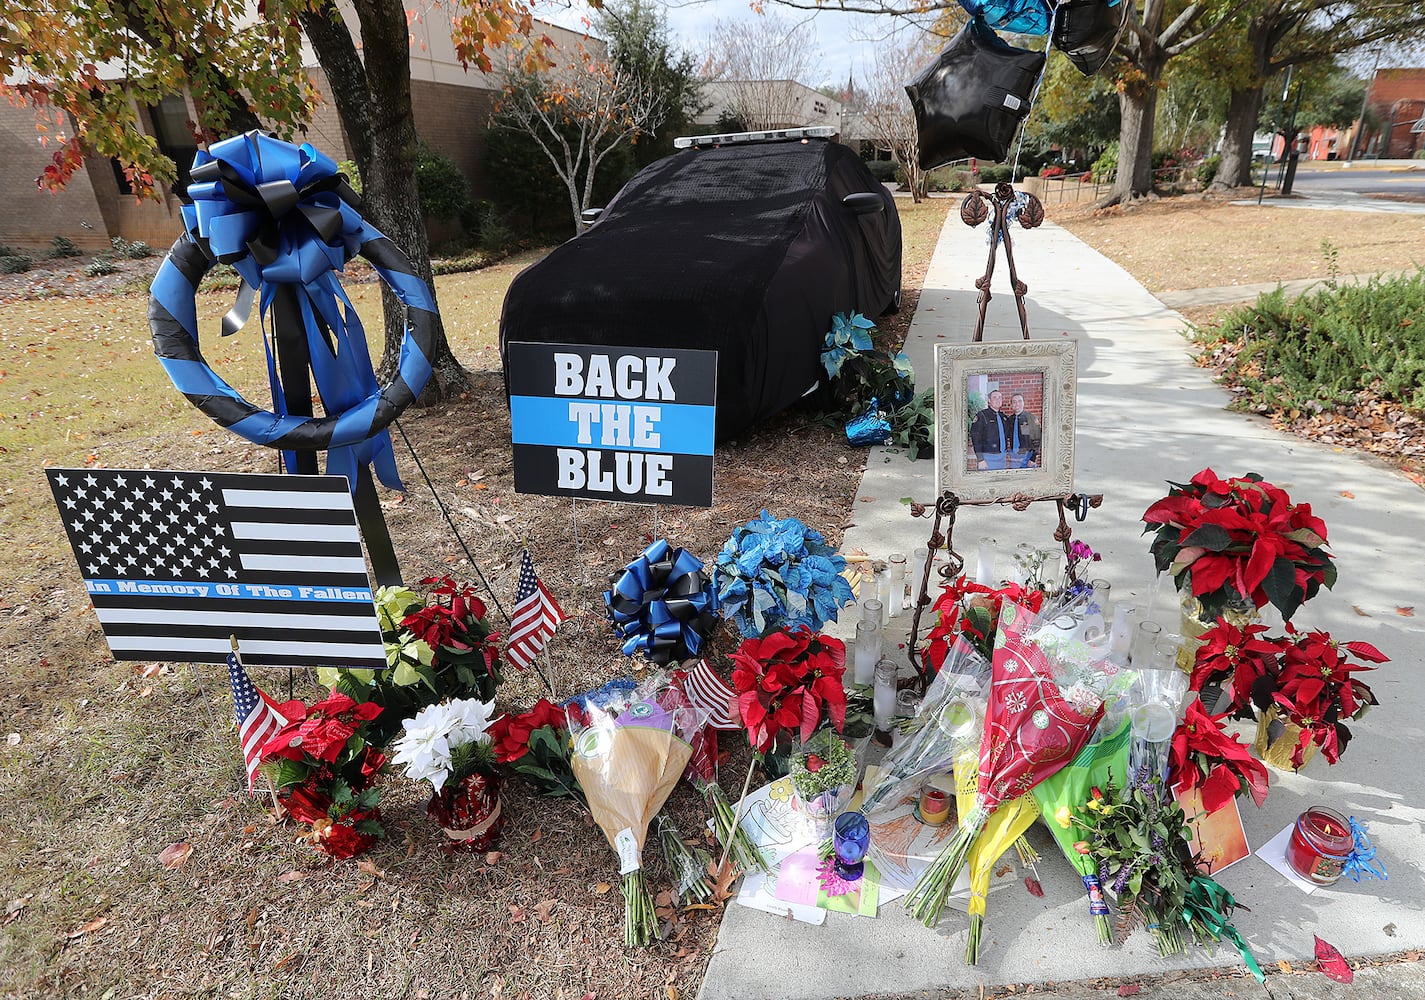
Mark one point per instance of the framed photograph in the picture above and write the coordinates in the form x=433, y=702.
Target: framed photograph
x=1004, y=419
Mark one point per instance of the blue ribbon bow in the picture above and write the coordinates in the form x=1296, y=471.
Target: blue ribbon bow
x=662, y=603
x=283, y=215
x=1362, y=859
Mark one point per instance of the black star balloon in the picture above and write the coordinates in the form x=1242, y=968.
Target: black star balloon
x=971, y=99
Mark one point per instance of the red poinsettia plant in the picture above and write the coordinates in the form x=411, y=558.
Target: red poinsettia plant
x=1207, y=757
x=969, y=612
x=789, y=681
x=1242, y=660
x=535, y=745
x=1239, y=539
x=1316, y=689
x=1305, y=678
x=323, y=767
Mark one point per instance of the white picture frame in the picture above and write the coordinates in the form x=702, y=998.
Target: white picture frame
x=1012, y=460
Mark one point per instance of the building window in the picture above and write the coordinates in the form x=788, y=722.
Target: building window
x=819, y=107
x=174, y=136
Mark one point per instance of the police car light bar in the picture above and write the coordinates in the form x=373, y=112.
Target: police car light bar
x=731, y=138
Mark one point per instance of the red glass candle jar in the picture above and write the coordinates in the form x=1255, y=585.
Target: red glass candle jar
x=1319, y=845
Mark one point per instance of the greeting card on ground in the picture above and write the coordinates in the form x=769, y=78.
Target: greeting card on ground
x=1273, y=852
x=902, y=847
x=798, y=881
x=757, y=894
x=775, y=820
x=1217, y=837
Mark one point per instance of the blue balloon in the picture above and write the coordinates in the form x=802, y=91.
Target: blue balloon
x=1023, y=17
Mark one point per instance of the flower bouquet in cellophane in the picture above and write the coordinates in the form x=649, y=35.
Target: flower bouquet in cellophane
x=1030, y=731
x=627, y=763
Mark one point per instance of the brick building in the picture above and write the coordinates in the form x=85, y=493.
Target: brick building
x=1397, y=98
x=452, y=111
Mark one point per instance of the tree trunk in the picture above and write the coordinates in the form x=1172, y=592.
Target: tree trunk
x=1137, y=106
x=374, y=102
x=1235, y=168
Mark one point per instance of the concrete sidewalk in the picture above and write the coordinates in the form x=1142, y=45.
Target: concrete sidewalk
x=1145, y=415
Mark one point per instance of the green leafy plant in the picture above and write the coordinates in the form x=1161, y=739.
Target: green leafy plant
x=1331, y=254
x=1105, y=168
x=438, y=646
x=133, y=249
x=63, y=246
x=15, y=263
x=100, y=266
x=1206, y=171
x=1324, y=348
x=1144, y=850
x=913, y=426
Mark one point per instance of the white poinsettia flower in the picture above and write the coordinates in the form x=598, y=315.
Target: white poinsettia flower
x=424, y=747
x=470, y=721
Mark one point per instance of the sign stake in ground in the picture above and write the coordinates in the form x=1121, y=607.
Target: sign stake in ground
x=178, y=564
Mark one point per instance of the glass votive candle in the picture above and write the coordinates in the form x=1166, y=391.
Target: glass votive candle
x=1051, y=563
x=918, y=559
x=883, y=592
x=895, y=566
x=985, y=561
x=850, y=840
x=1145, y=637
x=871, y=607
x=1101, y=591
x=1319, y=845
x=883, y=696
x=868, y=651
x=1120, y=638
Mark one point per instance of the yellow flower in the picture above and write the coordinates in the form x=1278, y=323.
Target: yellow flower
x=781, y=790
x=1106, y=810
x=1093, y=805
x=1063, y=817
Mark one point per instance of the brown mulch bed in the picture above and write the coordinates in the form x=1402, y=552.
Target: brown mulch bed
x=103, y=765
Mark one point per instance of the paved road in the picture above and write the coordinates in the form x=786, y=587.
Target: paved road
x=1359, y=180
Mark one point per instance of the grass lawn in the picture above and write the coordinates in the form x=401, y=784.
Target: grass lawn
x=106, y=764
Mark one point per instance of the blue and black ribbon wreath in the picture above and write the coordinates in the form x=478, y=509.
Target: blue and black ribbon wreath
x=662, y=604
x=288, y=222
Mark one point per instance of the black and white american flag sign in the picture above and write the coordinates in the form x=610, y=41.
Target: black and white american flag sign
x=178, y=562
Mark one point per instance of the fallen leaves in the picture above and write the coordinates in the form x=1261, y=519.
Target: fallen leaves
x=15, y=907
x=1357, y=609
x=175, y=856
x=1129, y=989
x=1407, y=611
x=601, y=887
x=292, y=876
x=88, y=927
x=544, y=908
x=1331, y=962
x=722, y=880
x=1035, y=889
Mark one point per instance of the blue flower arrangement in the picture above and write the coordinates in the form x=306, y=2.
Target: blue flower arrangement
x=778, y=573
x=849, y=336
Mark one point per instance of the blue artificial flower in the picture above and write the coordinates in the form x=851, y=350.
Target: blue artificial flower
x=846, y=339
x=774, y=573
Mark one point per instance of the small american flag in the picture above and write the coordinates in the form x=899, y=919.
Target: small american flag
x=535, y=616
x=258, y=720
x=709, y=694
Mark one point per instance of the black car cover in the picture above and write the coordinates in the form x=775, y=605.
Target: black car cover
x=744, y=249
